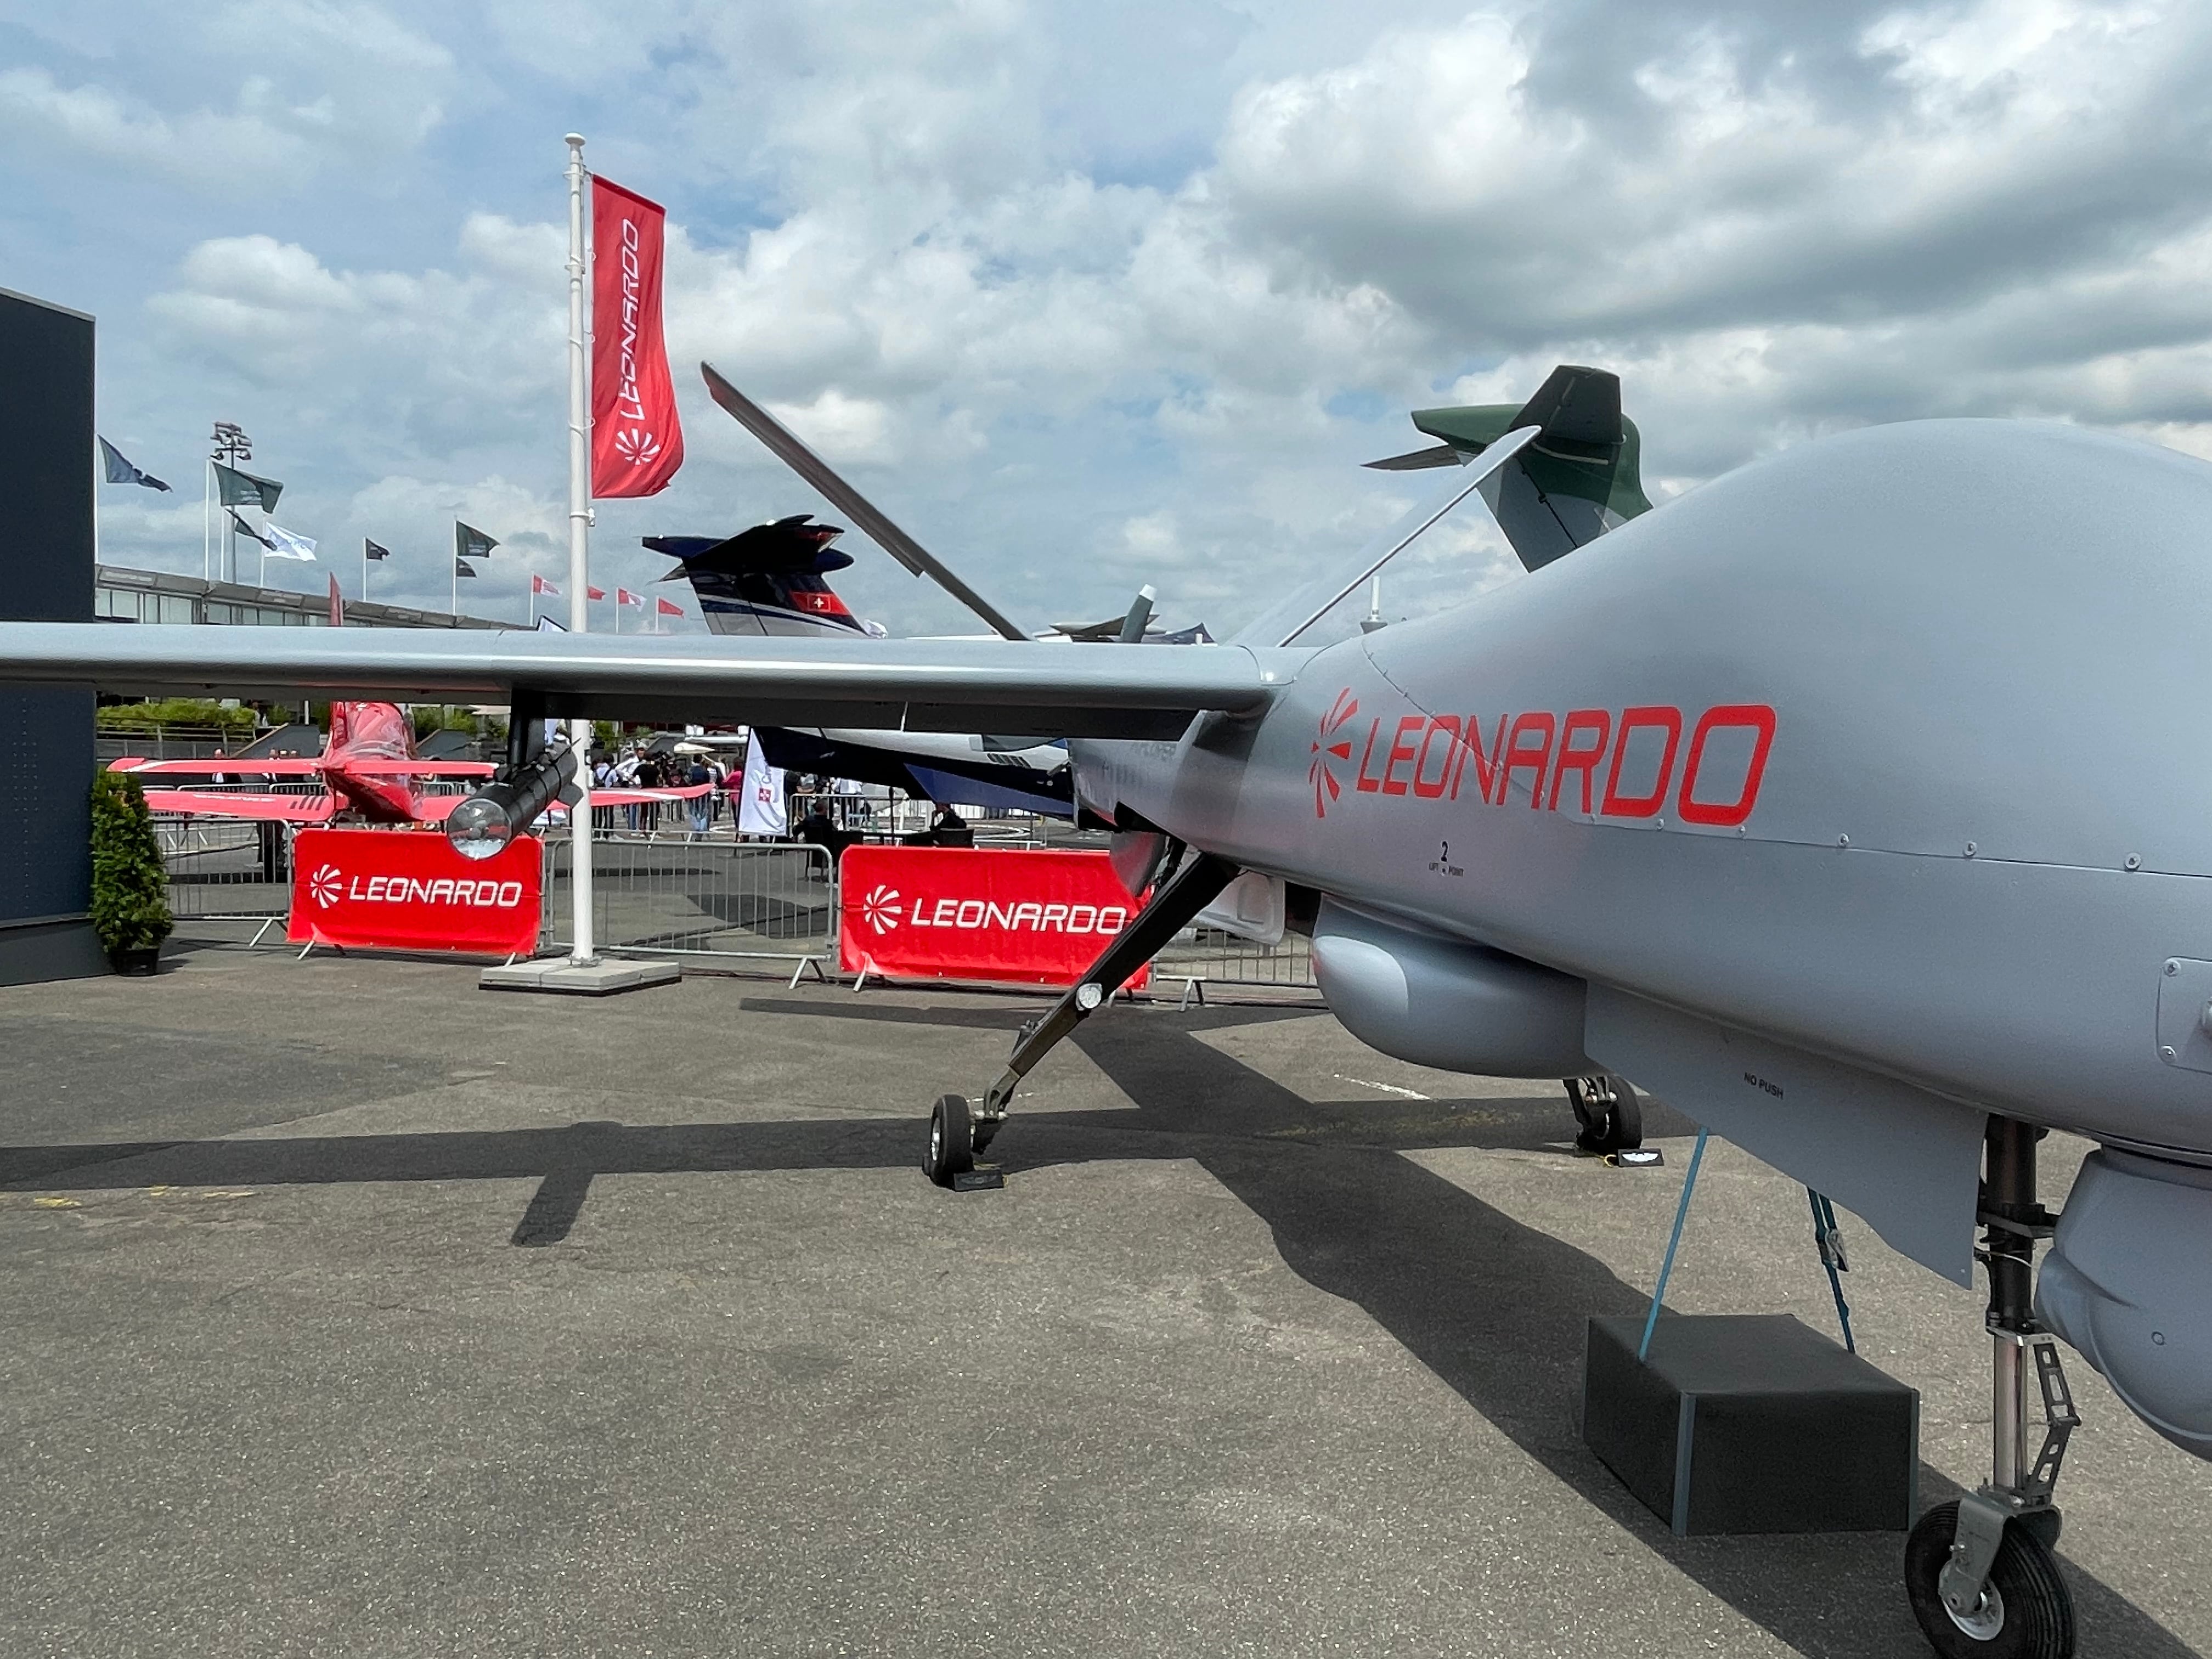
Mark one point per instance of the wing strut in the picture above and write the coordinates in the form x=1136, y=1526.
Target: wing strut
x=856, y=506
x=1303, y=608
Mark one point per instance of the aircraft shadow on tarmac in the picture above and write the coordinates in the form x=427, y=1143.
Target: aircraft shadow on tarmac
x=1492, y=1307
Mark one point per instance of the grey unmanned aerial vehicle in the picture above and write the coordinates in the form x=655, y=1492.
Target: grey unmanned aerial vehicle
x=1846, y=801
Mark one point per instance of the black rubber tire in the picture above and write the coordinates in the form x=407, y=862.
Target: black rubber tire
x=1617, y=1127
x=2034, y=1609
x=952, y=1140
x=1624, y=1122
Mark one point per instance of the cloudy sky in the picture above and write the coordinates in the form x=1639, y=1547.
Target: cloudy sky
x=1090, y=296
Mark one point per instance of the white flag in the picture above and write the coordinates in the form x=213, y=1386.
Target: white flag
x=762, y=810
x=283, y=545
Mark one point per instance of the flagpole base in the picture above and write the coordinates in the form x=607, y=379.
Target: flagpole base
x=560, y=975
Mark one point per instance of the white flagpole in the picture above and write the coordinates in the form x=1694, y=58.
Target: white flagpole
x=207, y=524
x=364, y=572
x=579, y=545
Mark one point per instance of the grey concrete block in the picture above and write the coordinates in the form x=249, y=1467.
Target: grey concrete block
x=560, y=976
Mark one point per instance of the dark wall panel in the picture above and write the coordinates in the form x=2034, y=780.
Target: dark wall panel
x=45, y=575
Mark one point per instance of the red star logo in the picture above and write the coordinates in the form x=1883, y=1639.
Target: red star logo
x=1327, y=745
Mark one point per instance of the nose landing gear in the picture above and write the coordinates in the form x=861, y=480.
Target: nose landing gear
x=1981, y=1574
x=1610, y=1117
x=958, y=1132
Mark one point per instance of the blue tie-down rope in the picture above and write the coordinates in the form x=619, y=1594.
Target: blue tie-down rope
x=1673, y=1239
x=1829, y=1243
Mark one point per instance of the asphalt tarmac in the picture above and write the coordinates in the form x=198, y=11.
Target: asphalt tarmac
x=350, y=1311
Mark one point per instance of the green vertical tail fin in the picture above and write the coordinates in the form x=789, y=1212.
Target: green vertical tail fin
x=1576, y=481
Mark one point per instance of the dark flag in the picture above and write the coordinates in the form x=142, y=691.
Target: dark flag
x=236, y=489
x=470, y=542
x=369, y=550
x=462, y=567
x=121, y=471
x=249, y=531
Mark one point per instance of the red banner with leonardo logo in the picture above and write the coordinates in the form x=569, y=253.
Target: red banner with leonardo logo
x=636, y=441
x=408, y=889
x=1012, y=918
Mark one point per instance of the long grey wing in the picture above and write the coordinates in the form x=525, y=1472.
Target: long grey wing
x=1302, y=609
x=849, y=500
x=916, y=685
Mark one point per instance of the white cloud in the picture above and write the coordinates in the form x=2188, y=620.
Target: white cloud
x=1084, y=305
x=204, y=146
x=299, y=88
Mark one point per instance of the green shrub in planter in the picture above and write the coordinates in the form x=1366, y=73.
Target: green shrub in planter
x=129, y=908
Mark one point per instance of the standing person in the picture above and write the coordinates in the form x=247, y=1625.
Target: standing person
x=648, y=777
x=626, y=778
x=702, y=803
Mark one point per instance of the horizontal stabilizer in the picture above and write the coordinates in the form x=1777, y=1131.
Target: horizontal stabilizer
x=1421, y=459
x=793, y=544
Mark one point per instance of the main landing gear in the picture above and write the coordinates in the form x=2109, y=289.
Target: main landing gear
x=956, y=1132
x=1981, y=1573
x=1610, y=1117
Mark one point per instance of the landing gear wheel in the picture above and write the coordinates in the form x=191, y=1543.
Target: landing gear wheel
x=952, y=1140
x=2026, y=1611
x=1612, y=1125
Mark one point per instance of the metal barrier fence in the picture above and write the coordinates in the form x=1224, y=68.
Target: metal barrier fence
x=880, y=816
x=1210, y=956
x=223, y=870
x=762, y=900
x=773, y=903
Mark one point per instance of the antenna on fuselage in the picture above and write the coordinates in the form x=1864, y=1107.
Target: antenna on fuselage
x=1373, y=619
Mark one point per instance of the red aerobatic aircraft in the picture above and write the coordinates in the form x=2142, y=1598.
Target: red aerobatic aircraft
x=368, y=770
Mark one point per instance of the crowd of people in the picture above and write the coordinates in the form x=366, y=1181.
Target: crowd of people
x=636, y=767
x=818, y=809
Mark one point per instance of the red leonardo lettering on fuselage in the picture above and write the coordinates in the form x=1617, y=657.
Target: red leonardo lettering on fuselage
x=1624, y=764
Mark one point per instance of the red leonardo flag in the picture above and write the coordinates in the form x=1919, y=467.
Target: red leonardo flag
x=636, y=442
x=590, y=592
x=540, y=585
x=624, y=596
x=665, y=608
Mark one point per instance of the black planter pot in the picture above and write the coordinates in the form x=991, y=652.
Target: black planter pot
x=138, y=962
